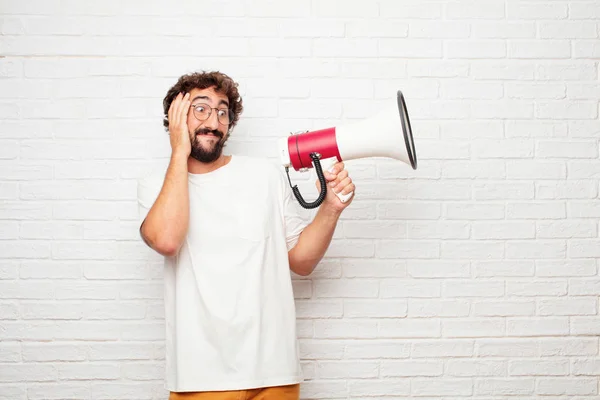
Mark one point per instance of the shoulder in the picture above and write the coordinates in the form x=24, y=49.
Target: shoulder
x=263, y=174
x=266, y=166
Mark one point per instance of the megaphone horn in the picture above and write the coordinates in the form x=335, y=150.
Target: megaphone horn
x=388, y=134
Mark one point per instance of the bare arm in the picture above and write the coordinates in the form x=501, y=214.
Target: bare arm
x=316, y=237
x=313, y=242
x=167, y=222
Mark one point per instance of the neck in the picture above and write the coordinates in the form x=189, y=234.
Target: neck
x=197, y=167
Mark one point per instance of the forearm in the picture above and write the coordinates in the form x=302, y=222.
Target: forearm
x=166, y=224
x=313, y=242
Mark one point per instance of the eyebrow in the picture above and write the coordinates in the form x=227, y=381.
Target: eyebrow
x=207, y=98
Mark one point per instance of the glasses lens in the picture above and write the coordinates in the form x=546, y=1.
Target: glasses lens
x=201, y=111
x=223, y=116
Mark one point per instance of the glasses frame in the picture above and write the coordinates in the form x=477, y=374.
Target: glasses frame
x=210, y=110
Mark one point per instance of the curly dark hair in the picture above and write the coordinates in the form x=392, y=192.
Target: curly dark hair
x=204, y=80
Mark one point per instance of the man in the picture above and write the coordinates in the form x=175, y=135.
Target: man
x=230, y=234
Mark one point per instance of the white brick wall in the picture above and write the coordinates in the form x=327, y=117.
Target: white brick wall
x=475, y=276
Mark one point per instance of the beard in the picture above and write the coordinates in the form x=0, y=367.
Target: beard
x=214, y=149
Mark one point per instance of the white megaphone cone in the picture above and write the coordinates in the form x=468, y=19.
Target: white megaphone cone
x=388, y=134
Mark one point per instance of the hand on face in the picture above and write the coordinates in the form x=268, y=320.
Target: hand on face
x=178, y=128
x=337, y=181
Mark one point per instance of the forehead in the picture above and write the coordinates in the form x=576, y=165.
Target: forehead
x=213, y=96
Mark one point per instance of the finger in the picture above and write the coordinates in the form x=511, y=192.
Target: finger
x=170, y=112
x=342, y=184
x=173, y=110
x=181, y=99
x=185, y=106
x=337, y=167
x=340, y=177
x=329, y=176
x=348, y=189
x=181, y=104
x=176, y=103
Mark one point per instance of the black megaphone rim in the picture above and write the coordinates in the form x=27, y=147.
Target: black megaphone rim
x=407, y=130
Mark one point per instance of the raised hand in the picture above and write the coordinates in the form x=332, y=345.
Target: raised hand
x=178, y=128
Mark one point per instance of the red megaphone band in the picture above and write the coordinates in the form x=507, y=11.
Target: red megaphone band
x=300, y=147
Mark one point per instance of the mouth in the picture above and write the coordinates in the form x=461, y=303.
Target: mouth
x=208, y=135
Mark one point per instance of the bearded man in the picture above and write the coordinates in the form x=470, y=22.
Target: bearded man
x=230, y=233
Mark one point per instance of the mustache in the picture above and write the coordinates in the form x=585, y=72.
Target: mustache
x=204, y=131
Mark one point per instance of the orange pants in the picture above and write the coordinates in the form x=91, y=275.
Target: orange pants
x=288, y=392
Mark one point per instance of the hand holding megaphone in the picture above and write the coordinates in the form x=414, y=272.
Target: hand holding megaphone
x=328, y=165
x=387, y=134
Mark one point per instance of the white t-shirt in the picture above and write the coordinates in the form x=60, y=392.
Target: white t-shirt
x=229, y=306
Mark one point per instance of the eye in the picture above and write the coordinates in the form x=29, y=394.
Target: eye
x=223, y=112
x=200, y=109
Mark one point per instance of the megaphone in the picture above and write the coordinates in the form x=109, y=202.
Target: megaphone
x=388, y=134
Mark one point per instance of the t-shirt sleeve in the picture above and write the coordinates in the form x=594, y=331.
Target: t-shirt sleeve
x=294, y=222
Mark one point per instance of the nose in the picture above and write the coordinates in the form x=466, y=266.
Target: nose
x=212, y=121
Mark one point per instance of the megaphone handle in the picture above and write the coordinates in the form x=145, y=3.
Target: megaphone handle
x=328, y=165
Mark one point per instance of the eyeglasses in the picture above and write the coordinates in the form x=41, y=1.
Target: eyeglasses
x=203, y=111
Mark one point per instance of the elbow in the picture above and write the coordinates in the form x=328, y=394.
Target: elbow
x=168, y=249
x=303, y=272
x=162, y=245
x=299, y=265
x=302, y=269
